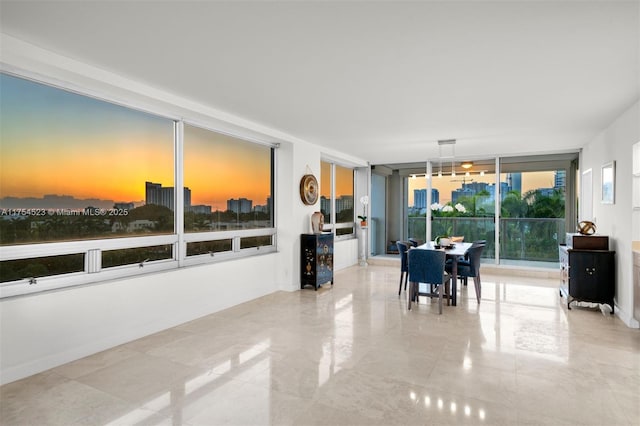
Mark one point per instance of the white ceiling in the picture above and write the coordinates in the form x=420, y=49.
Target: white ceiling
x=381, y=81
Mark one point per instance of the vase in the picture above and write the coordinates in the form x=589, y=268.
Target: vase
x=317, y=222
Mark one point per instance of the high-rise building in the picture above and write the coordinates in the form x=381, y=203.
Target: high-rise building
x=420, y=198
x=269, y=205
x=345, y=202
x=240, y=205
x=155, y=193
x=560, y=180
x=504, y=189
x=514, y=182
x=461, y=193
x=468, y=190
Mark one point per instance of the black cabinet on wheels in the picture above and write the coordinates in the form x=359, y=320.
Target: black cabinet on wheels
x=588, y=270
x=316, y=259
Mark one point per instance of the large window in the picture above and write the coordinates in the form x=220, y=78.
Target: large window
x=463, y=202
x=336, y=198
x=533, y=210
x=76, y=168
x=90, y=191
x=227, y=182
x=228, y=186
x=534, y=198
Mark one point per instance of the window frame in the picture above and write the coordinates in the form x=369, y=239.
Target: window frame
x=92, y=248
x=333, y=226
x=510, y=164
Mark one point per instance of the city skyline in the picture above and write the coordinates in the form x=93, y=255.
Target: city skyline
x=58, y=143
x=446, y=185
x=344, y=181
x=63, y=201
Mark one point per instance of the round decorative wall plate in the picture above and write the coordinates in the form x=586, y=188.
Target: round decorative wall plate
x=309, y=189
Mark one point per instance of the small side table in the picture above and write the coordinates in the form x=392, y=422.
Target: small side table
x=363, y=245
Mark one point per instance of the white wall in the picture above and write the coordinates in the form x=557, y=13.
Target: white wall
x=44, y=330
x=48, y=329
x=616, y=220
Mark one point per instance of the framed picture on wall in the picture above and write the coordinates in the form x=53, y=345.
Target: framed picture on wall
x=609, y=183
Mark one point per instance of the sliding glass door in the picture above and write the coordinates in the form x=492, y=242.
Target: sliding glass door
x=534, y=210
x=534, y=198
x=463, y=200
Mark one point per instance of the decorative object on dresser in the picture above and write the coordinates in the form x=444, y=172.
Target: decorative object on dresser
x=588, y=270
x=316, y=260
x=317, y=223
x=586, y=227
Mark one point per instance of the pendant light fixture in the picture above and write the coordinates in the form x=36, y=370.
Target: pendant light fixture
x=451, y=142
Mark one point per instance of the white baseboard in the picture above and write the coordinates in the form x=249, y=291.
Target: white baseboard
x=626, y=317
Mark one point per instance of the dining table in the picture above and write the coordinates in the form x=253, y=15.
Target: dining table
x=453, y=252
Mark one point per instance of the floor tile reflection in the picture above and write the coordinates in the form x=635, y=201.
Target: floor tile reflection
x=352, y=354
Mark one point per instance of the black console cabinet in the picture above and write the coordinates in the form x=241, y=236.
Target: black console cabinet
x=588, y=275
x=316, y=259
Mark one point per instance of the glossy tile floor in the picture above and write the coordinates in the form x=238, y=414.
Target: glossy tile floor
x=354, y=355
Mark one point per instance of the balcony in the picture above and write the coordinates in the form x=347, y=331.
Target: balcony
x=523, y=241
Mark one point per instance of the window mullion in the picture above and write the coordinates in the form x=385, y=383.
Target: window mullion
x=333, y=198
x=93, y=261
x=180, y=247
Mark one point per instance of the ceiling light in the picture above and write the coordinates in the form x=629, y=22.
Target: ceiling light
x=467, y=164
x=482, y=173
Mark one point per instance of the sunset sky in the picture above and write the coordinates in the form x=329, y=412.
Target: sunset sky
x=344, y=180
x=220, y=167
x=56, y=142
x=446, y=184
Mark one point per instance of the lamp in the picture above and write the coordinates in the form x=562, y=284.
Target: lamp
x=451, y=142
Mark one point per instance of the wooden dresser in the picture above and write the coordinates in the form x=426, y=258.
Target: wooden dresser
x=588, y=270
x=316, y=259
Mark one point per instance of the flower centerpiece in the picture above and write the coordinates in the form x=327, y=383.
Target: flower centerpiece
x=364, y=200
x=448, y=210
x=444, y=240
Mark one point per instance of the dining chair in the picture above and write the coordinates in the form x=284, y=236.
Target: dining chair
x=414, y=242
x=427, y=266
x=470, y=268
x=403, y=247
x=466, y=257
x=475, y=243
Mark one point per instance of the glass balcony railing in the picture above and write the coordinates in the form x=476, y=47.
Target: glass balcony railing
x=521, y=239
x=531, y=239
